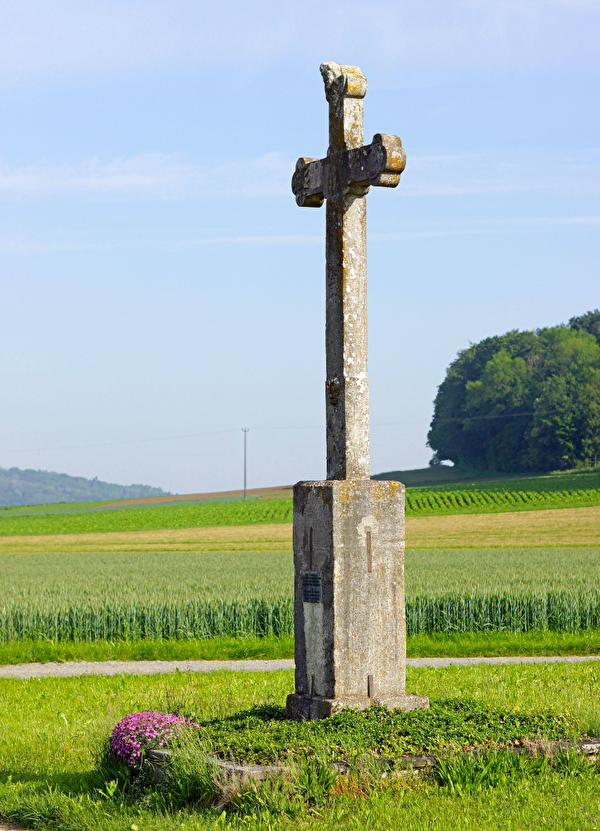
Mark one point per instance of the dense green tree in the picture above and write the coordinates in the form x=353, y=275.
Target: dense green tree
x=522, y=401
x=589, y=322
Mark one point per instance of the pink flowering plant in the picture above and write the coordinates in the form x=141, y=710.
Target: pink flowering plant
x=139, y=732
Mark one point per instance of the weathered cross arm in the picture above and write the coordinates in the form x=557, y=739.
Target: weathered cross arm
x=379, y=163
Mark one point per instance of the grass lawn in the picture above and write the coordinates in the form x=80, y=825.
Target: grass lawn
x=50, y=730
x=455, y=645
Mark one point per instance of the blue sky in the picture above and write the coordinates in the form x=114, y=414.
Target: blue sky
x=160, y=289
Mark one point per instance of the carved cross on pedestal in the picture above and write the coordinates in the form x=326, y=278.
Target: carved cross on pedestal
x=343, y=179
x=349, y=623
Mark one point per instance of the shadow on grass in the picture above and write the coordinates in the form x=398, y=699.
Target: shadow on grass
x=69, y=784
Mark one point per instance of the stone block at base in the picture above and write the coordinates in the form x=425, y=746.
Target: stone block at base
x=349, y=620
x=305, y=707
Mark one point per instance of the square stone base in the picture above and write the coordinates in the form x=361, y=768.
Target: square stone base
x=307, y=708
x=349, y=623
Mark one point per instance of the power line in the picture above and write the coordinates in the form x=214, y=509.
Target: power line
x=433, y=422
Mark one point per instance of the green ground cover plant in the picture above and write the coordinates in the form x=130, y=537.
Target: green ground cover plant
x=442, y=502
x=251, y=647
x=174, y=516
x=263, y=735
x=50, y=779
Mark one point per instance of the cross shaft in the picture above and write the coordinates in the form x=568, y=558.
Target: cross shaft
x=343, y=178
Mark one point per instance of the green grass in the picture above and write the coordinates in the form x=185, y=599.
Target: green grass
x=436, y=645
x=50, y=730
x=502, y=644
x=207, y=649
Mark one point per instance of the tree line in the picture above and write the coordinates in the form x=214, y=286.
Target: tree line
x=523, y=401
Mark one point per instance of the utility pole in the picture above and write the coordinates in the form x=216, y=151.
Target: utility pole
x=245, y=432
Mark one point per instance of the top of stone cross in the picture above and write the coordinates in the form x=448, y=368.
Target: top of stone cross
x=342, y=81
x=343, y=178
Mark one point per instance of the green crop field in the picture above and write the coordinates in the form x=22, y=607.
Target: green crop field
x=447, y=478
x=100, y=520
x=440, y=502
x=549, y=492
x=129, y=596
x=152, y=595
x=531, y=493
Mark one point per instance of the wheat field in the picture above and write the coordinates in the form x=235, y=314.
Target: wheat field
x=553, y=527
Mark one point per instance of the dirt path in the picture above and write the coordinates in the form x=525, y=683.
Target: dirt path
x=73, y=669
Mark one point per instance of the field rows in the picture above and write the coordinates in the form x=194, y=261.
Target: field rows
x=264, y=511
x=482, y=501
x=279, y=511
x=127, y=596
x=123, y=578
x=499, y=611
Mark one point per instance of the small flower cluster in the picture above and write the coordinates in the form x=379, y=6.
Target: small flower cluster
x=139, y=732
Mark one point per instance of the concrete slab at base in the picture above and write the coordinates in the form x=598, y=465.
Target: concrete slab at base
x=303, y=707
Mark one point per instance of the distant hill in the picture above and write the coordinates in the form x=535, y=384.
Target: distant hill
x=40, y=487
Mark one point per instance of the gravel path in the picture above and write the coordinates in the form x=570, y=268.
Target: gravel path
x=75, y=668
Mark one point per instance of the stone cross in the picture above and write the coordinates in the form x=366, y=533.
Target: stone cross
x=343, y=178
x=349, y=622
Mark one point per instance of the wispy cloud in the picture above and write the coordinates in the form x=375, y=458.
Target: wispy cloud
x=160, y=176
x=150, y=175
x=44, y=39
x=23, y=244
x=431, y=173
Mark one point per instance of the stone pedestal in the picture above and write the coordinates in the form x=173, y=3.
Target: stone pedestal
x=349, y=619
